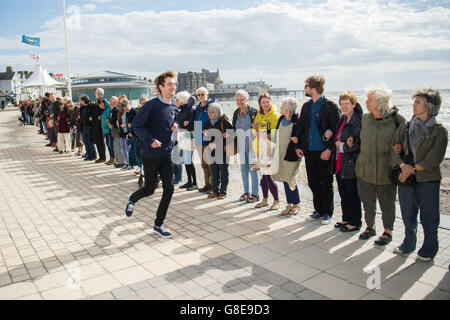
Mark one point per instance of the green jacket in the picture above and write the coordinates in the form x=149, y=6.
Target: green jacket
x=430, y=153
x=375, y=160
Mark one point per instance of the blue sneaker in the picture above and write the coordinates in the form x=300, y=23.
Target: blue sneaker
x=315, y=216
x=162, y=232
x=326, y=219
x=129, y=209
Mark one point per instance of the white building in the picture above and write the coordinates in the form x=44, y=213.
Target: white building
x=10, y=82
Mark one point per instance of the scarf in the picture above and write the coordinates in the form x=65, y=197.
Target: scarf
x=419, y=131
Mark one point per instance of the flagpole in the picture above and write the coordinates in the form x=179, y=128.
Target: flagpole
x=69, y=85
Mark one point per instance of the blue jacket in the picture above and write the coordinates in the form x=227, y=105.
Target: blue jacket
x=106, y=116
x=203, y=117
x=154, y=121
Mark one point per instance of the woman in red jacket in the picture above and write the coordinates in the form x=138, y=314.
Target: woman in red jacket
x=64, y=129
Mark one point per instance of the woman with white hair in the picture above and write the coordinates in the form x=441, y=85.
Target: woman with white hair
x=185, y=120
x=374, y=162
x=285, y=164
x=243, y=118
x=424, y=142
x=219, y=166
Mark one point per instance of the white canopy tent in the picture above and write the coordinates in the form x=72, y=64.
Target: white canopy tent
x=40, y=80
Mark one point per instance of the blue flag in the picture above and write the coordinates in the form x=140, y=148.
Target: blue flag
x=31, y=41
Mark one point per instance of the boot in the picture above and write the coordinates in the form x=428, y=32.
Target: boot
x=110, y=162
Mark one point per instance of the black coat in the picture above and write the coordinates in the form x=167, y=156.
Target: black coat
x=350, y=155
x=130, y=117
x=96, y=124
x=186, y=113
x=328, y=118
x=291, y=155
x=223, y=124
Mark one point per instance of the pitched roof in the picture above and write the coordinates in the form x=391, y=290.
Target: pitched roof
x=106, y=74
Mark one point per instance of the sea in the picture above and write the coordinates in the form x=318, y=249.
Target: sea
x=400, y=98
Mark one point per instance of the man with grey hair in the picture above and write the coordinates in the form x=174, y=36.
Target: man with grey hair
x=200, y=118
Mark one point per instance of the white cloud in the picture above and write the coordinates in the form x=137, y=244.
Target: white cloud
x=89, y=7
x=276, y=41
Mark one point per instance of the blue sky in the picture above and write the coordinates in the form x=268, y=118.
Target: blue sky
x=353, y=43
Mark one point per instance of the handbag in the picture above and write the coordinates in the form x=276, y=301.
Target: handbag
x=230, y=149
x=407, y=159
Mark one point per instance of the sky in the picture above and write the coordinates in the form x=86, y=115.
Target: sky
x=405, y=44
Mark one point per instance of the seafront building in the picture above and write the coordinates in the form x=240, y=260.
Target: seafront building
x=114, y=84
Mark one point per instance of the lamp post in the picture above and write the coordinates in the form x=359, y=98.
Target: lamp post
x=69, y=85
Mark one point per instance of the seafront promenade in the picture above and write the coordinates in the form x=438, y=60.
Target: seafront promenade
x=64, y=235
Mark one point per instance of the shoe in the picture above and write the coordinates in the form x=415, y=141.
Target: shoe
x=275, y=206
x=129, y=208
x=383, y=241
x=48, y=145
x=100, y=161
x=61, y=152
x=340, y=224
x=186, y=185
x=222, y=196
x=262, y=204
x=344, y=228
x=126, y=167
x=192, y=188
x=252, y=199
x=315, y=216
x=295, y=210
x=286, y=211
x=423, y=259
x=367, y=234
x=212, y=195
x=84, y=156
x=326, y=219
x=162, y=232
x=397, y=250
x=244, y=197
x=55, y=150
x=175, y=183
x=204, y=189
x=87, y=159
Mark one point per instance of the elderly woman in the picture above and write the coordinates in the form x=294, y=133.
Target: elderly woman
x=263, y=127
x=286, y=164
x=243, y=118
x=219, y=165
x=375, y=161
x=185, y=120
x=424, y=142
x=345, y=154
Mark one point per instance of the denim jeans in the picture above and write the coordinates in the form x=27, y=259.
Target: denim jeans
x=292, y=197
x=135, y=153
x=424, y=197
x=125, y=147
x=178, y=168
x=87, y=139
x=110, y=144
x=246, y=171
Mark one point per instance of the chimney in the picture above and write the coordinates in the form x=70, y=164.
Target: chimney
x=9, y=69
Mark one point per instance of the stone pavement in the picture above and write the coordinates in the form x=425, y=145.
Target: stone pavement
x=64, y=235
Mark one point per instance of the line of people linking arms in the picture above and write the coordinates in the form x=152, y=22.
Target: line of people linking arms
x=372, y=154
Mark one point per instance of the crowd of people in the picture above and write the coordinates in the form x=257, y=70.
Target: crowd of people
x=372, y=155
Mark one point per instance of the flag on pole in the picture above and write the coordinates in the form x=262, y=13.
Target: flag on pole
x=59, y=75
x=36, y=42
